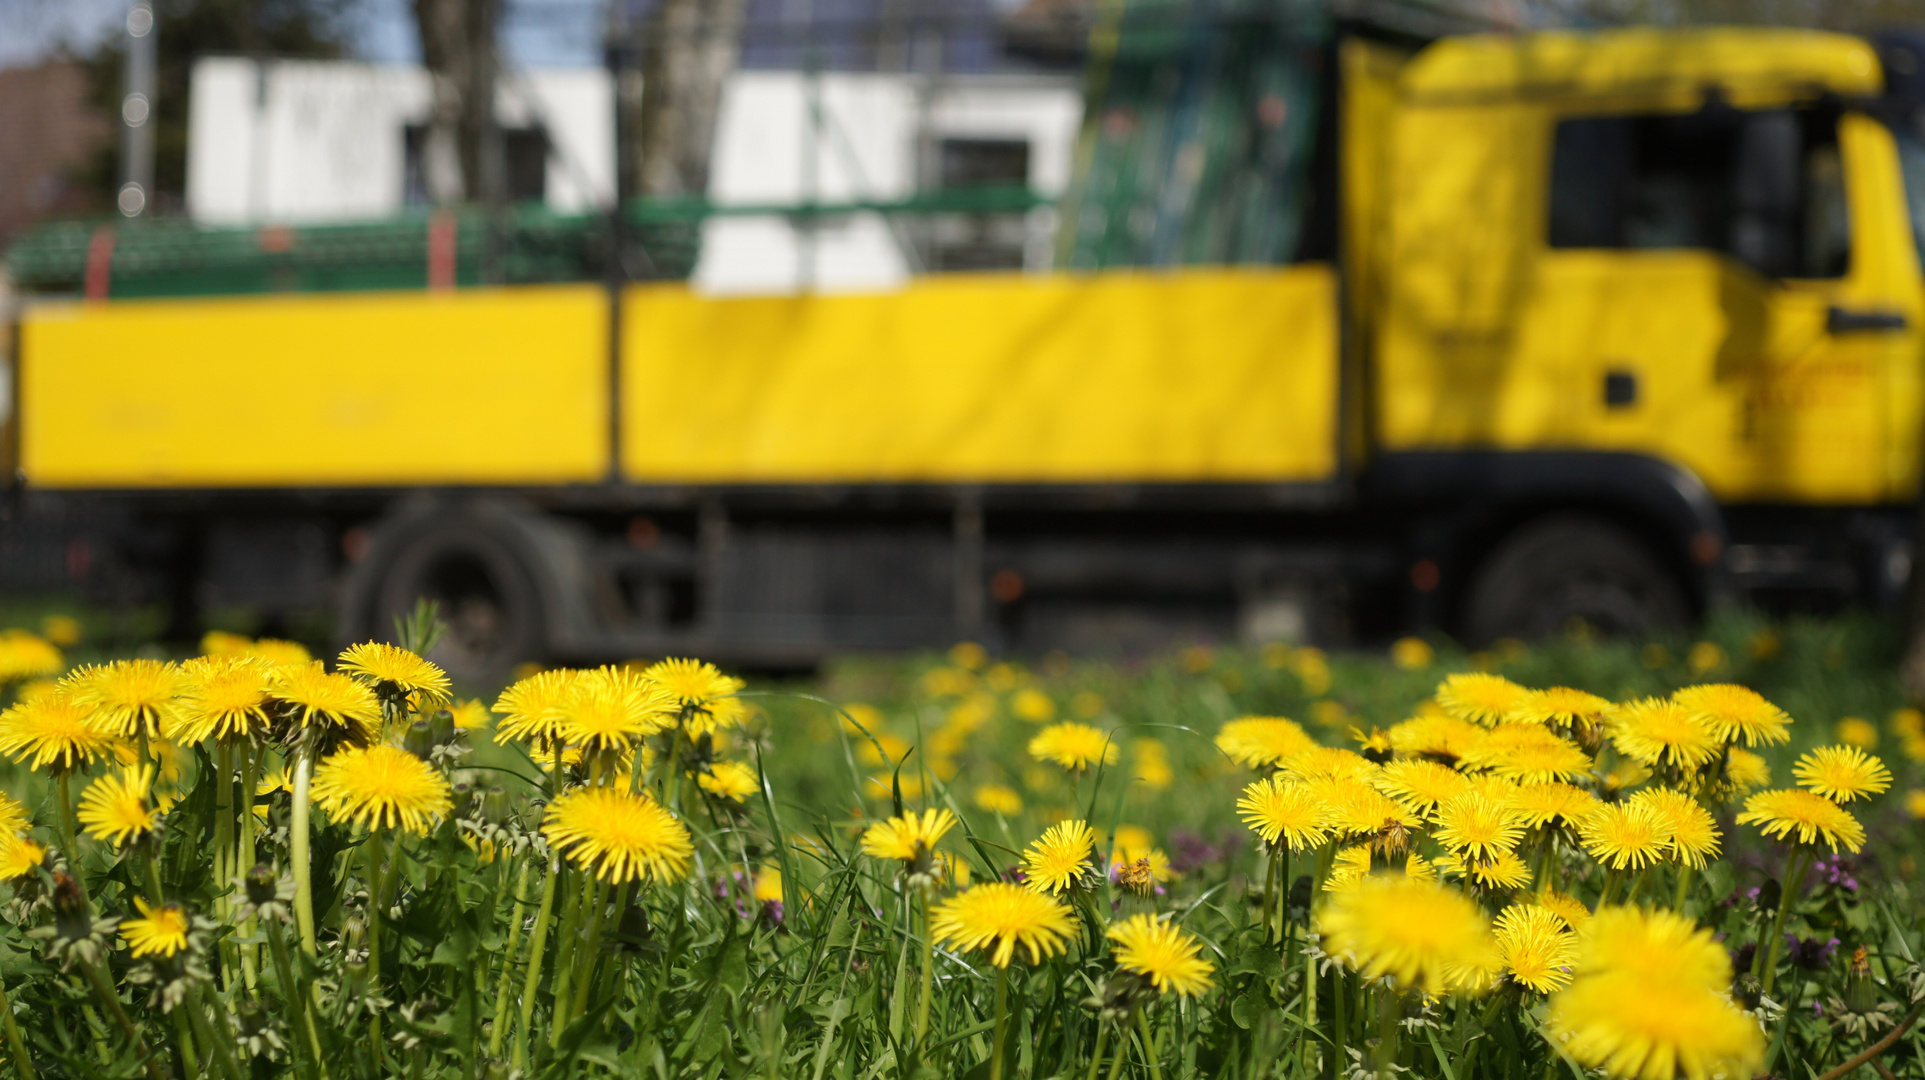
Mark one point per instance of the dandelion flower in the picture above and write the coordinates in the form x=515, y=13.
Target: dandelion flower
x=279, y=653
x=619, y=836
x=1537, y=946
x=1694, y=834
x=1262, y=741
x=25, y=655
x=1544, y=804
x=1506, y=870
x=1439, y=737
x=115, y=808
x=531, y=708
x=13, y=816
x=999, y=799
x=1359, y=811
x=1789, y=812
x=127, y=697
x=52, y=730
x=160, y=931
x=382, y=787
x=1415, y=932
x=1481, y=698
x=1060, y=858
x=705, y=697
x=471, y=715
x=1073, y=746
x=998, y=917
x=1564, y=906
x=1349, y=868
x=20, y=856
x=908, y=838
x=395, y=671
x=1655, y=944
x=1541, y=760
x=1477, y=827
x=1625, y=835
x=1420, y=785
x=1842, y=773
x=1285, y=813
x=222, y=697
x=1330, y=763
x=1161, y=952
x=1735, y=712
x=334, y=703
x=730, y=780
x=609, y=709
x=1746, y=771
x=1561, y=706
x=1656, y=731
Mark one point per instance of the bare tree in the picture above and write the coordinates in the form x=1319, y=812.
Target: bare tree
x=460, y=156
x=688, y=50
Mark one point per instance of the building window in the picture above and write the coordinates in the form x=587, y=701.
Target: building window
x=1765, y=187
x=526, y=151
x=979, y=241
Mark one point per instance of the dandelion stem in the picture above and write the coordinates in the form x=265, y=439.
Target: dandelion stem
x=300, y=780
x=1096, y=1056
x=218, y=1044
x=1149, y=1044
x=305, y=1040
x=375, y=858
x=244, y=860
x=1683, y=890
x=1765, y=964
x=588, y=952
x=928, y=971
x=1122, y=1046
x=1002, y=1024
x=508, y=962
x=1610, y=888
x=104, y=990
x=535, y=943
x=575, y=902
x=16, y=1046
x=190, y=1063
x=69, y=828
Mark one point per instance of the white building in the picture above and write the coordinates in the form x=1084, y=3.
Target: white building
x=320, y=141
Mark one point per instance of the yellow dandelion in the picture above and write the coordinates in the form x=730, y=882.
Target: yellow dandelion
x=1478, y=827
x=530, y=709
x=1625, y=835
x=1480, y=697
x=619, y=836
x=1694, y=833
x=24, y=655
x=1789, y=813
x=998, y=917
x=1286, y=813
x=1506, y=870
x=224, y=643
x=382, y=787
x=332, y=702
x=610, y=709
x=160, y=931
x=281, y=653
x=1417, y=933
x=1842, y=773
x=13, y=815
x=1561, y=706
x=1032, y=705
x=1262, y=741
x=1359, y=811
x=1159, y=951
x=1412, y=653
x=127, y=697
x=1436, y=736
x=999, y=799
x=1564, y=906
x=1542, y=760
x=1150, y=764
x=52, y=732
x=1655, y=944
x=1349, y=868
x=706, y=697
x=393, y=670
x=19, y=857
x=1656, y=731
x=1073, y=746
x=1330, y=763
x=222, y=697
x=471, y=715
x=1735, y=712
x=1546, y=804
x=1537, y=945
x=730, y=780
x=1746, y=771
x=116, y=809
x=1420, y=785
x=768, y=885
x=1060, y=858
x=909, y=838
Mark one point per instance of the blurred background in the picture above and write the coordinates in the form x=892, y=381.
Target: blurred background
x=780, y=330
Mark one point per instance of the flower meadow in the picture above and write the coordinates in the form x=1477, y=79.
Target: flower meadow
x=1591, y=860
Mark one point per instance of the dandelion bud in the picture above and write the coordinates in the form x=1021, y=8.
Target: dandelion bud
x=494, y=806
x=1748, y=991
x=420, y=739
x=1769, y=894
x=442, y=726
x=73, y=916
x=464, y=798
x=1861, y=994
x=260, y=884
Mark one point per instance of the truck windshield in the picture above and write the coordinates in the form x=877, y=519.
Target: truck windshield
x=1911, y=159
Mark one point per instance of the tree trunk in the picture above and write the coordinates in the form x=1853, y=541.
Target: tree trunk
x=461, y=155
x=688, y=50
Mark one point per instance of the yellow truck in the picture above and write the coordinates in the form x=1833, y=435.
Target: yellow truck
x=1616, y=325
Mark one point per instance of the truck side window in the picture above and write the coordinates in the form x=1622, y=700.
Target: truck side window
x=1765, y=187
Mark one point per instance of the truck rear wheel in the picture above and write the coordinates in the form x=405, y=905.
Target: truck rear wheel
x=1568, y=567
x=487, y=597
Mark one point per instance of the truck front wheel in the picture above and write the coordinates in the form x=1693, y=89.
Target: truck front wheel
x=1557, y=570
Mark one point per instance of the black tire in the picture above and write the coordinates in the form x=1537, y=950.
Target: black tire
x=486, y=593
x=1572, y=566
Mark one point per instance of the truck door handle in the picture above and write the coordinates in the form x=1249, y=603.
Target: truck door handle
x=1848, y=321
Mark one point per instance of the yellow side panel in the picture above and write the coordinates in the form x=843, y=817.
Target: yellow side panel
x=1193, y=375
x=485, y=386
